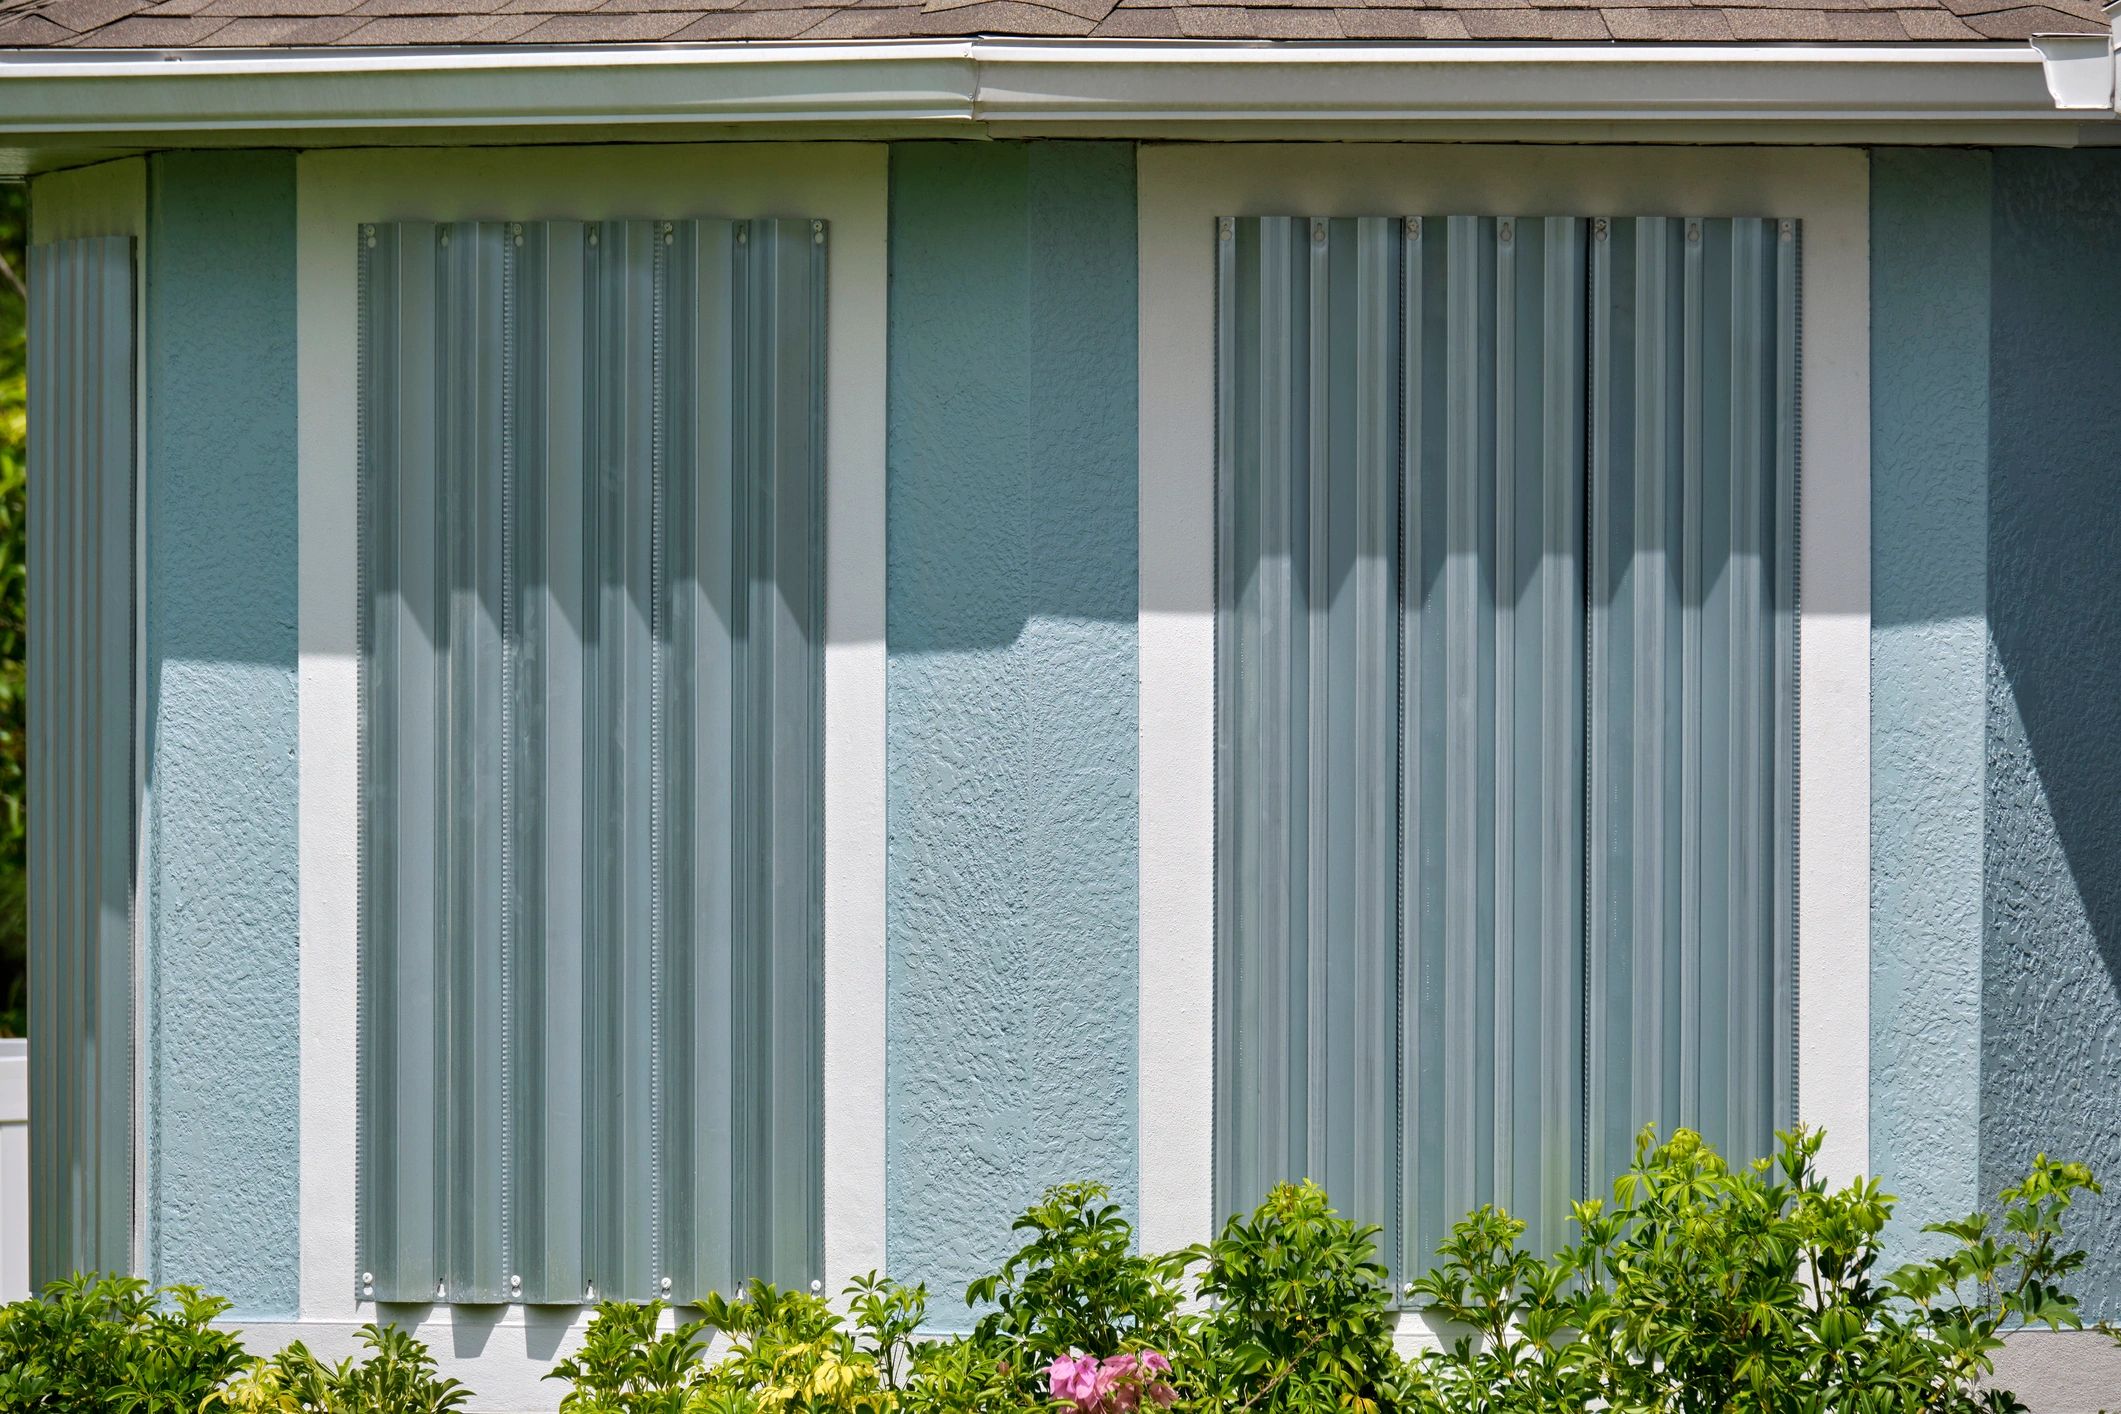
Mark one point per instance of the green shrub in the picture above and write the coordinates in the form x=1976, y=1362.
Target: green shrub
x=110, y=1343
x=1299, y=1312
x=627, y=1366
x=397, y=1376
x=1077, y=1288
x=1708, y=1288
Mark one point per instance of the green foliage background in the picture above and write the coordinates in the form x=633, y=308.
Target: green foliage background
x=14, y=861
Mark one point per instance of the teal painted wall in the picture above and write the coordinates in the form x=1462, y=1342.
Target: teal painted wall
x=220, y=593
x=1011, y=692
x=2051, y=1002
x=1929, y=665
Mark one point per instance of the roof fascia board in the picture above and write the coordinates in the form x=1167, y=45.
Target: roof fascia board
x=50, y=95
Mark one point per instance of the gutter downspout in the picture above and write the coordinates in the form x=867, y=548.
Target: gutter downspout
x=2080, y=68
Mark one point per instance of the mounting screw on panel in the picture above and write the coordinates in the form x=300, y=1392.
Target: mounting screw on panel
x=592, y=238
x=1789, y=229
x=1598, y=228
x=816, y=1286
x=666, y=1284
x=368, y=234
x=1693, y=233
x=1318, y=232
x=743, y=233
x=817, y=233
x=441, y=1291
x=1225, y=228
x=1505, y=230
x=1413, y=228
x=515, y=1283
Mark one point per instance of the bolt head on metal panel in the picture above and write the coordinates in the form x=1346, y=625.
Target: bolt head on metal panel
x=1599, y=228
x=817, y=232
x=1225, y=228
x=1505, y=231
x=1318, y=232
x=1414, y=228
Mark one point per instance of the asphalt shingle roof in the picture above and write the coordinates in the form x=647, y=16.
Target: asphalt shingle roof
x=253, y=24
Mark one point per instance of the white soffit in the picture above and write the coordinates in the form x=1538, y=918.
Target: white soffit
x=1795, y=92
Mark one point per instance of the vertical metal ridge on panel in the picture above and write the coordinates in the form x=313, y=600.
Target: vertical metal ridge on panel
x=694, y=649
x=1307, y=706
x=777, y=967
x=80, y=755
x=401, y=648
x=1493, y=662
x=1691, y=698
x=549, y=841
x=617, y=946
x=468, y=306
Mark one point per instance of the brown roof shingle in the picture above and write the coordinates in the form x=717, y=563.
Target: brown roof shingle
x=184, y=24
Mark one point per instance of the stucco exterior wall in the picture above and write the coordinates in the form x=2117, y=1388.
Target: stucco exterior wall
x=1929, y=529
x=220, y=583
x=2051, y=977
x=1011, y=692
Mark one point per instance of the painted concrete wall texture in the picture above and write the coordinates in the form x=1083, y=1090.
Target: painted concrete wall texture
x=1011, y=694
x=1929, y=664
x=220, y=593
x=2051, y=977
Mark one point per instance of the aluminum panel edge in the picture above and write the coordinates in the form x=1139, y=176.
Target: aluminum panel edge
x=81, y=717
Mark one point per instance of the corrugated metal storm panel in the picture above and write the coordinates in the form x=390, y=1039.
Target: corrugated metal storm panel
x=1493, y=759
x=595, y=454
x=778, y=972
x=1692, y=696
x=619, y=520
x=81, y=500
x=1307, y=1011
x=432, y=688
x=468, y=305
x=696, y=648
x=549, y=859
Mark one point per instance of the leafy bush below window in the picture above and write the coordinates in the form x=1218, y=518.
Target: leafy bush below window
x=1699, y=1288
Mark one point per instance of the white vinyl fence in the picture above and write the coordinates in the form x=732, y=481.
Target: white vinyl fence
x=14, y=1170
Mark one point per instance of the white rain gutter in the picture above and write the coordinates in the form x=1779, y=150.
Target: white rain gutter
x=1111, y=86
x=2080, y=67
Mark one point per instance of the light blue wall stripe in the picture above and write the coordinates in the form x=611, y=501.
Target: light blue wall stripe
x=1011, y=691
x=1929, y=529
x=2051, y=976
x=220, y=590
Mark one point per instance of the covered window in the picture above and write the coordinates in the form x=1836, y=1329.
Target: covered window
x=591, y=476
x=1506, y=687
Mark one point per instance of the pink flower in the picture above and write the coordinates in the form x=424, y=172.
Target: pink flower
x=1074, y=1378
x=1114, y=1385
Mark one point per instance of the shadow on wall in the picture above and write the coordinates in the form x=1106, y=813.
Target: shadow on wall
x=2051, y=989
